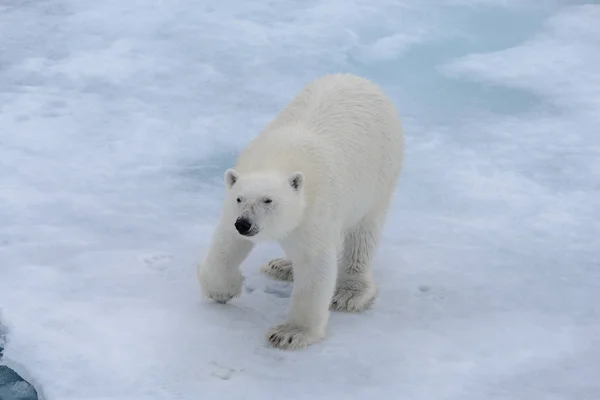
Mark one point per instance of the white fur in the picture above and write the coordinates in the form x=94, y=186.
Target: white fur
x=329, y=163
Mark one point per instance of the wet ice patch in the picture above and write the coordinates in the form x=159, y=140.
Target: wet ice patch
x=556, y=63
x=14, y=387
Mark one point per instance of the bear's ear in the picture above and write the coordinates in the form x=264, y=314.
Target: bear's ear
x=231, y=177
x=296, y=180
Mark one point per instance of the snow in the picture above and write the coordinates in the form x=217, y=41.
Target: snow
x=117, y=119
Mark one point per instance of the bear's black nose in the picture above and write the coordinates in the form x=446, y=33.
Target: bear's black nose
x=243, y=226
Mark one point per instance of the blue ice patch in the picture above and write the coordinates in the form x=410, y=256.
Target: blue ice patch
x=14, y=387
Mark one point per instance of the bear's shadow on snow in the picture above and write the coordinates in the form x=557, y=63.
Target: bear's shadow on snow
x=283, y=290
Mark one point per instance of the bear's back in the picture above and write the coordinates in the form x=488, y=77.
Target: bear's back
x=340, y=129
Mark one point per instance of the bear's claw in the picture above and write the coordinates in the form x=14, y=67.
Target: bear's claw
x=279, y=268
x=291, y=337
x=351, y=298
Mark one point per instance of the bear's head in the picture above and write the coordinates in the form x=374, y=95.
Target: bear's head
x=264, y=205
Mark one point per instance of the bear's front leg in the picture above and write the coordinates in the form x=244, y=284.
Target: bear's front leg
x=314, y=284
x=219, y=274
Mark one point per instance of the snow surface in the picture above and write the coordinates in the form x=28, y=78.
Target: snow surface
x=117, y=119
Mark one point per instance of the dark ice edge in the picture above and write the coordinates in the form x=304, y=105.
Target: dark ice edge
x=12, y=385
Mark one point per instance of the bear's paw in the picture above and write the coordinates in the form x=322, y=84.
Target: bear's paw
x=279, y=268
x=291, y=337
x=221, y=287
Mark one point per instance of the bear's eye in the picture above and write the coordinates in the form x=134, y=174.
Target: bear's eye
x=267, y=201
x=239, y=199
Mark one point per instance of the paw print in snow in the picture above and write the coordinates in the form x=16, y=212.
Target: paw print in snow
x=158, y=261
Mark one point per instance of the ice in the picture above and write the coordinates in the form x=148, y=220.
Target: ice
x=118, y=118
x=14, y=387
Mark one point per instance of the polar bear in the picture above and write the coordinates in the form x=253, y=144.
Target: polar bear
x=319, y=180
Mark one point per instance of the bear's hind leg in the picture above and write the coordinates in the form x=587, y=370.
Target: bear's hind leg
x=356, y=288
x=279, y=268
